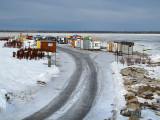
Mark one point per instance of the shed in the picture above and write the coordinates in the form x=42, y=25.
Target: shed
x=86, y=43
x=104, y=44
x=95, y=44
x=111, y=45
x=70, y=41
x=48, y=46
x=78, y=45
x=117, y=46
x=91, y=44
x=62, y=40
x=127, y=47
x=114, y=47
x=81, y=44
x=39, y=43
x=28, y=43
x=74, y=43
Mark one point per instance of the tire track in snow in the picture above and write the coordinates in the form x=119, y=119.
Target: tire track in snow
x=62, y=98
x=81, y=108
x=83, y=105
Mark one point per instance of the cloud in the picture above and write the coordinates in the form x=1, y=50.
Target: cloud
x=79, y=14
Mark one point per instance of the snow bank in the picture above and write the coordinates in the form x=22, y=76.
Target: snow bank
x=2, y=99
x=21, y=75
x=155, y=58
x=119, y=88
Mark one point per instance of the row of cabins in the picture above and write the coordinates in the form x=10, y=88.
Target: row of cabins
x=121, y=47
x=45, y=43
x=85, y=44
x=82, y=42
x=90, y=43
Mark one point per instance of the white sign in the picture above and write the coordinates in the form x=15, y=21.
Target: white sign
x=50, y=44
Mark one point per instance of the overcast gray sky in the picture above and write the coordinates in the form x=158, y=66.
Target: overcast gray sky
x=95, y=15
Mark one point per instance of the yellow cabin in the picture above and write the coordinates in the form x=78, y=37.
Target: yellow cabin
x=111, y=45
x=21, y=39
x=68, y=36
x=38, y=44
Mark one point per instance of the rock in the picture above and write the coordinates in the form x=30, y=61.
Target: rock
x=125, y=112
x=133, y=71
x=158, y=92
x=8, y=96
x=130, y=112
x=133, y=100
x=133, y=118
x=154, y=101
x=125, y=72
x=153, y=107
x=128, y=83
x=41, y=82
x=141, y=96
x=129, y=95
x=147, y=93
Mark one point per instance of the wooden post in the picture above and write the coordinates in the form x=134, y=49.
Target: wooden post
x=49, y=61
x=55, y=58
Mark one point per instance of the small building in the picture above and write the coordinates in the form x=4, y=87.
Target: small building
x=78, y=43
x=29, y=43
x=81, y=44
x=62, y=40
x=47, y=46
x=74, y=43
x=111, y=45
x=91, y=44
x=104, y=44
x=127, y=47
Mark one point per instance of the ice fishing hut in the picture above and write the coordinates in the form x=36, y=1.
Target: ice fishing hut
x=104, y=44
x=62, y=40
x=74, y=43
x=29, y=43
x=91, y=44
x=78, y=45
x=127, y=47
x=46, y=45
x=111, y=45
x=81, y=44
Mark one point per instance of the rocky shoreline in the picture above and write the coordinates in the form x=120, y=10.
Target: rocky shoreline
x=146, y=88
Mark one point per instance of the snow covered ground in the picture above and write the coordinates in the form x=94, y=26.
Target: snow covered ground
x=19, y=77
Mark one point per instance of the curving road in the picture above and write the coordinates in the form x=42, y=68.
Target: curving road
x=83, y=105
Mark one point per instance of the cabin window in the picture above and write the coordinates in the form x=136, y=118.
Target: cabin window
x=50, y=44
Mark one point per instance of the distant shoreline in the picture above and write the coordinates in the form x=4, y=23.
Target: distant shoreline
x=45, y=31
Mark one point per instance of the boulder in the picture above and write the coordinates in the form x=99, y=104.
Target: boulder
x=129, y=95
x=128, y=83
x=130, y=112
x=133, y=118
x=147, y=93
x=158, y=92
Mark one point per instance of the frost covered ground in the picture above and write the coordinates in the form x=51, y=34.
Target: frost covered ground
x=19, y=77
